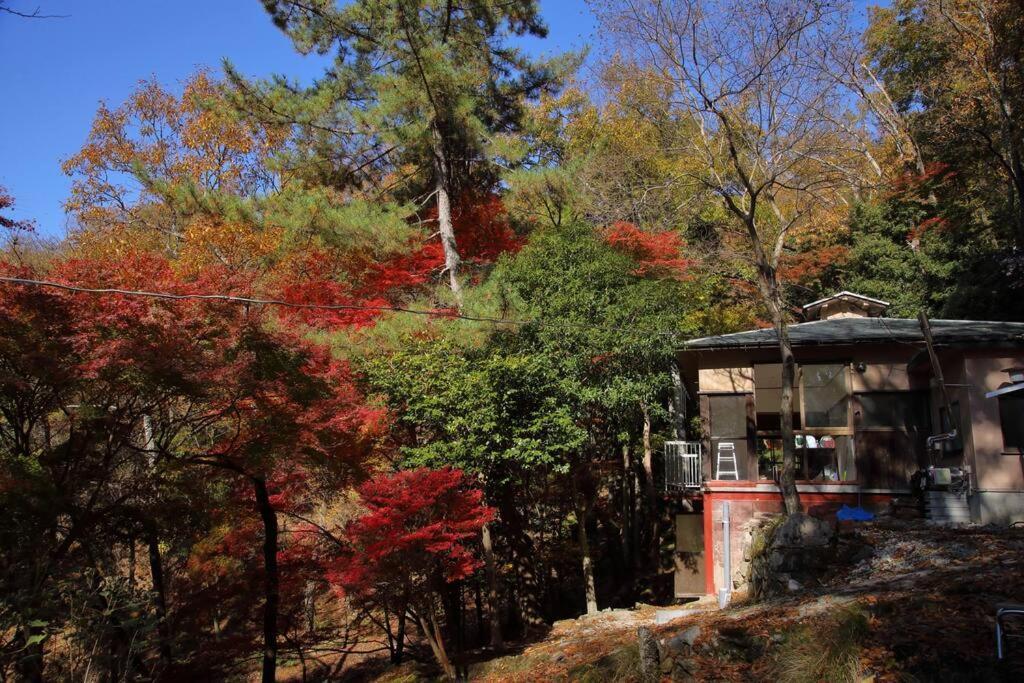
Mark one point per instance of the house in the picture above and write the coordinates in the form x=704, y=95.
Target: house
x=869, y=412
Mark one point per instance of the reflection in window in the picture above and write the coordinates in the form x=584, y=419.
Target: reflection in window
x=826, y=395
x=728, y=415
x=907, y=410
x=820, y=458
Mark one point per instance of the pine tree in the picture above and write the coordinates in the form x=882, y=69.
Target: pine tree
x=427, y=96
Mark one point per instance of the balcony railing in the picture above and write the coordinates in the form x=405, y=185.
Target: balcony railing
x=682, y=465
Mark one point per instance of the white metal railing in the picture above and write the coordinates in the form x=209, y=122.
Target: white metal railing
x=682, y=465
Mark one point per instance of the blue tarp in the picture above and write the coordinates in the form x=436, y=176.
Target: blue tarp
x=857, y=514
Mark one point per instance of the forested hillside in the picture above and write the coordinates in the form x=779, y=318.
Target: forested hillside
x=380, y=365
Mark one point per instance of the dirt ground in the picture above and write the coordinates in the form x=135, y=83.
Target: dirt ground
x=921, y=607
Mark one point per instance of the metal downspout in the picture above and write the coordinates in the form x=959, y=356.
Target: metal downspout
x=725, y=593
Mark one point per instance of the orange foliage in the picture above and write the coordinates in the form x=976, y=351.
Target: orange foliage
x=154, y=142
x=659, y=253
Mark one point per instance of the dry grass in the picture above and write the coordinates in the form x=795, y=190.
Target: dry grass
x=619, y=666
x=830, y=651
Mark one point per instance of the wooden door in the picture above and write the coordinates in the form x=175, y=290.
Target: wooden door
x=689, y=555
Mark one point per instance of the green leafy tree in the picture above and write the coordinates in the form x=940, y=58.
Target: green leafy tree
x=577, y=385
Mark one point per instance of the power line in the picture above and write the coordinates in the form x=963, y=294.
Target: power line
x=230, y=298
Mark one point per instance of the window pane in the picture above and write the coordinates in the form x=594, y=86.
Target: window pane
x=768, y=388
x=906, y=410
x=728, y=415
x=826, y=395
x=1011, y=416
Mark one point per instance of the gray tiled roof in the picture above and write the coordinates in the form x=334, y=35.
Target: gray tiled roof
x=870, y=330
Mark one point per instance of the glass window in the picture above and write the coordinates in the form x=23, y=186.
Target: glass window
x=826, y=395
x=728, y=415
x=768, y=388
x=1011, y=417
x=827, y=458
x=769, y=458
x=907, y=410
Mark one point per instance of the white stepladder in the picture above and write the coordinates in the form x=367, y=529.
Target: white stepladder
x=725, y=463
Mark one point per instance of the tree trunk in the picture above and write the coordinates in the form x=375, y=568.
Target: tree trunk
x=787, y=479
x=677, y=403
x=398, y=651
x=648, y=461
x=650, y=491
x=588, y=563
x=493, y=608
x=1017, y=178
x=156, y=573
x=628, y=507
x=432, y=632
x=442, y=187
x=271, y=580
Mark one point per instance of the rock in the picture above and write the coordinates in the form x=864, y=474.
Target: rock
x=558, y=657
x=684, y=670
x=793, y=585
x=803, y=530
x=648, y=647
x=681, y=642
x=667, y=665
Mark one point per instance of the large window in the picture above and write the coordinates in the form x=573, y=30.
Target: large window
x=728, y=416
x=1011, y=417
x=768, y=397
x=826, y=396
x=906, y=410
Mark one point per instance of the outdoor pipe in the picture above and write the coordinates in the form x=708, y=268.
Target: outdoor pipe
x=725, y=592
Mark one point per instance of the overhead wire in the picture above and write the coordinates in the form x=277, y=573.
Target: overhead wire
x=434, y=313
x=255, y=301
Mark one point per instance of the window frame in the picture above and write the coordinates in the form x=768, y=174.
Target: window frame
x=827, y=431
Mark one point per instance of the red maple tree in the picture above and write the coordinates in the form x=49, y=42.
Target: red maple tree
x=415, y=538
x=658, y=254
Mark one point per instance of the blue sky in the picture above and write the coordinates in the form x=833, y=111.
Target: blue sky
x=56, y=71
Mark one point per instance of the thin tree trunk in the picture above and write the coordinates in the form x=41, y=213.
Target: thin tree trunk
x=156, y=573
x=1017, y=164
x=678, y=402
x=271, y=580
x=432, y=632
x=446, y=228
x=131, y=561
x=650, y=491
x=478, y=605
x=398, y=651
x=588, y=563
x=493, y=608
x=628, y=504
x=787, y=478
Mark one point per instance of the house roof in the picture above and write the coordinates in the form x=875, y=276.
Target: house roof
x=837, y=331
